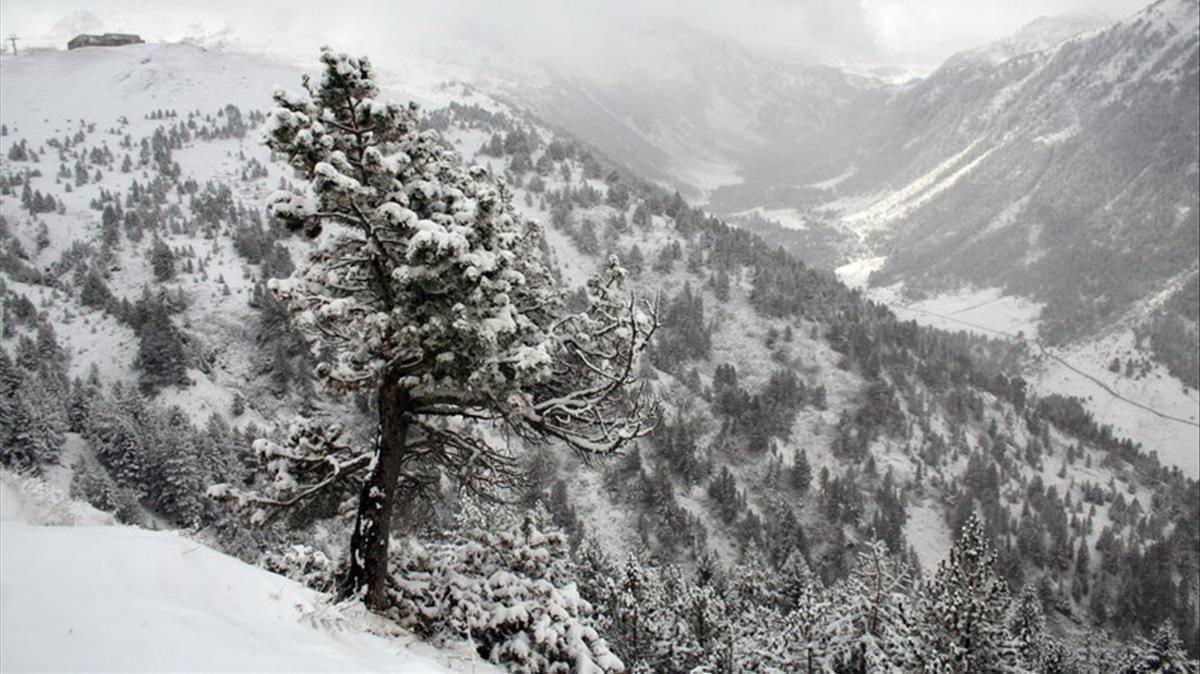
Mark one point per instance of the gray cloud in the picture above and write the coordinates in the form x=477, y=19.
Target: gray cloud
x=583, y=34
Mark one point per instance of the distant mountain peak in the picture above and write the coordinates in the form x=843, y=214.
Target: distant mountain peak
x=1041, y=34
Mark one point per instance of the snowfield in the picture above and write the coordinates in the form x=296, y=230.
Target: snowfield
x=984, y=311
x=1176, y=442
x=120, y=599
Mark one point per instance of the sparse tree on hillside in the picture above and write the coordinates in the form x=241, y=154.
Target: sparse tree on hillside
x=160, y=350
x=110, y=229
x=425, y=288
x=162, y=261
x=43, y=237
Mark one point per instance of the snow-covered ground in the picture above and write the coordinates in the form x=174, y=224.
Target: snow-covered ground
x=984, y=311
x=927, y=532
x=790, y=218
x=855, y=274
x=1176, y=442
x=100, y=598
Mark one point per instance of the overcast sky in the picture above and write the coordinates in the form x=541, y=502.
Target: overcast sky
x=900, y=32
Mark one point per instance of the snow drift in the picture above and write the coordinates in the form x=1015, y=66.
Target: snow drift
x=113, y=598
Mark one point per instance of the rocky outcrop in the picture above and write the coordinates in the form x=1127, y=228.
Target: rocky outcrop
x=104, y=40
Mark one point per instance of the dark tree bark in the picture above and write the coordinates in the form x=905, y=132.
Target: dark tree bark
x=368, y=567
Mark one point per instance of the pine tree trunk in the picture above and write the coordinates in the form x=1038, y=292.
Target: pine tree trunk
x=368, y=568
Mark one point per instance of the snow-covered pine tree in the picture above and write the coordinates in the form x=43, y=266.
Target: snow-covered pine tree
x=962, y=610
x=636, y=605
x=756, y=593
x=1027, y=626
x=425, y=288
x=706, y=643
x=1161, y=653
x=872, y=630
x=806, y=609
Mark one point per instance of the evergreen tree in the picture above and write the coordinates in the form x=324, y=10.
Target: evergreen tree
x=110, y=230
x=426, y=288
x=1027, y=627
x=872, y=630
x=160, y=350
x=800, y=473
x=963, y=607
x=504, y=581
x=633, y=607
x=1163, y=652
x=162, y=261
x=94, y=292
x=721, y=285
x=43, y=237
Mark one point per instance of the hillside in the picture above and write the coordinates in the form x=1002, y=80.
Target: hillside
x=142, y=355
x=1055, y=167
x=83, y=594
x=1065, y=175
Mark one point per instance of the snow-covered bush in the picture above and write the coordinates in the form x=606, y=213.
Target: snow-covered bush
x=30, y=499
x=303, y=563
x=505, y=584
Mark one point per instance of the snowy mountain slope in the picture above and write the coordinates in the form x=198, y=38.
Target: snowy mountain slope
x=1080, y=153
x=1058, y=164
x=121, y=599
x=1073, y=182
x=215, y=317
x=1066, y=176
x=1136, y=402
x=688, y=509
x=1041, y=34
x=131, y=81
x=871, y=372
x=1085, y=371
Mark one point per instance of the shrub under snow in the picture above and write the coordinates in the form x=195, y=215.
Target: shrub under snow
x=304, y=564
x=503, y=583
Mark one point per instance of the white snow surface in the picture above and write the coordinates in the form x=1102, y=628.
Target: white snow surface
x=121, y=599
x=1177, y=443
x=926, y=530
x=856, y=274
x=985, y=311
x=790, y=218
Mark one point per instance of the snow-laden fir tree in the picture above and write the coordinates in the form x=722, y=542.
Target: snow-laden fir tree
x=1027, y=627
x=504, y=581
x=633, y=599
x=963, y=609
x=872, y=630
x=426, y=288
x=1162, y=653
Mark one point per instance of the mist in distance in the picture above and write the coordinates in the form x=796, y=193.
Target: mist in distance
x=597, y=39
